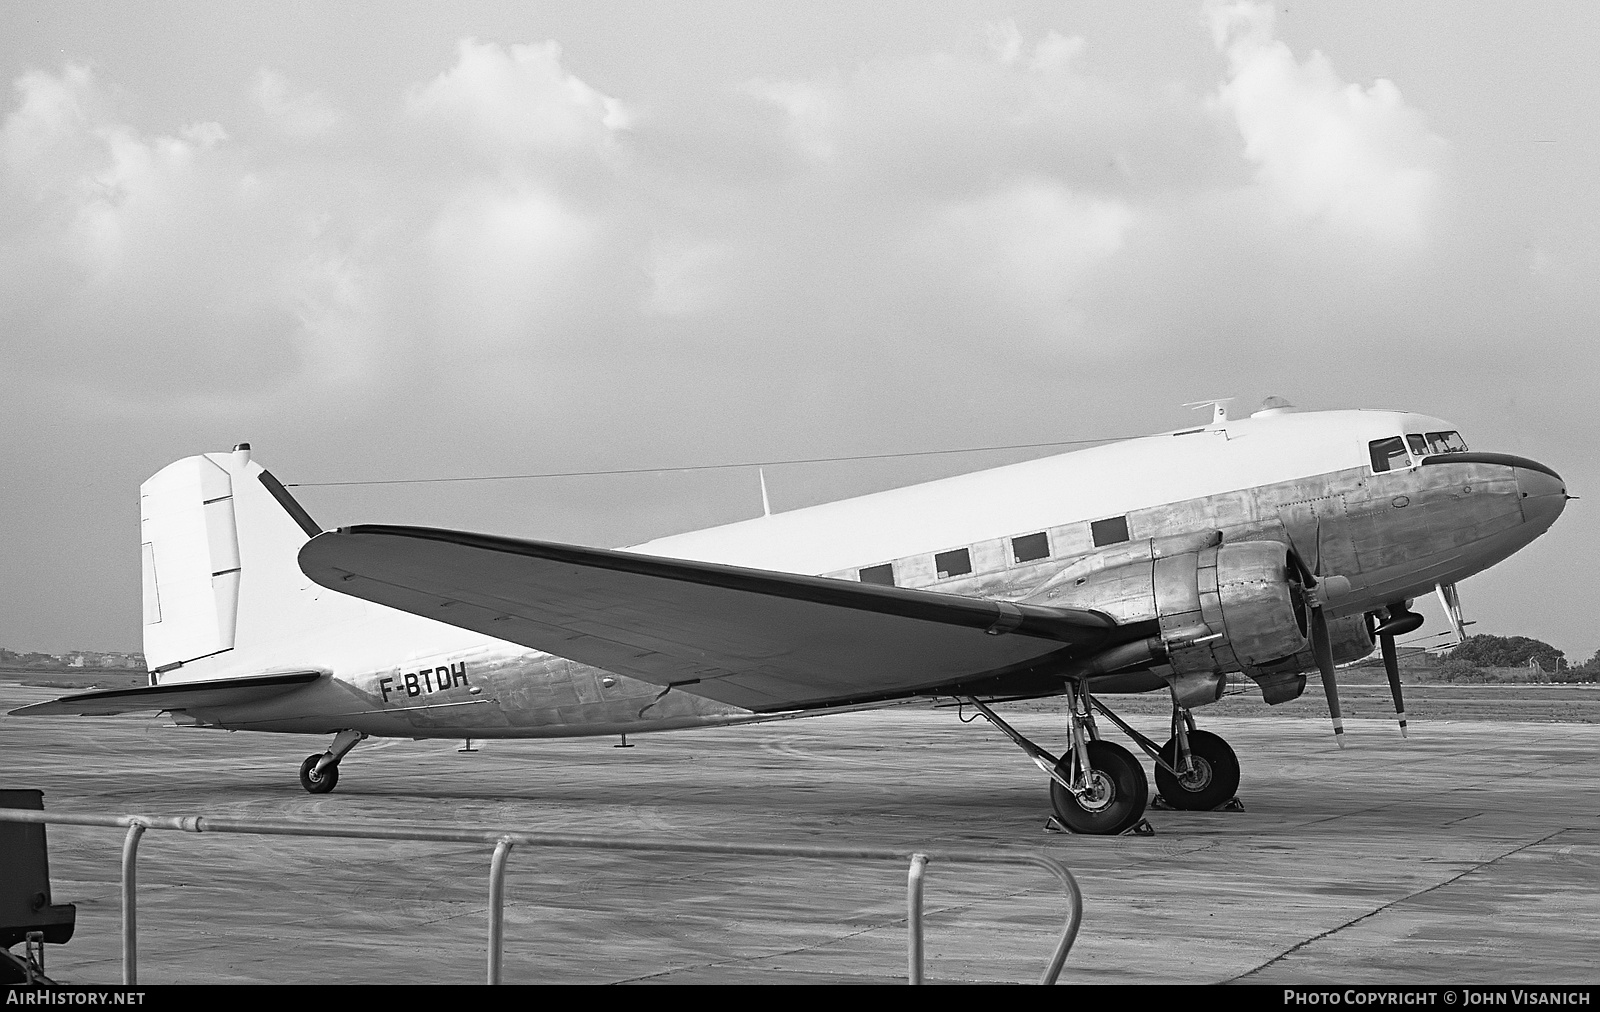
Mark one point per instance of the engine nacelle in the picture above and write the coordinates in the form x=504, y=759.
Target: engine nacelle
x=1350, y=637
x=1235, y=607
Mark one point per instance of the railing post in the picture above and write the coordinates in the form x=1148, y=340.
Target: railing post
x=136, y=825
x=1069, y=933
x=130, y=911
x=497, y=896
x=914, y=918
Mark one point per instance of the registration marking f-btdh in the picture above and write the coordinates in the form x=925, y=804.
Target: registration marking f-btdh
x=417, y=682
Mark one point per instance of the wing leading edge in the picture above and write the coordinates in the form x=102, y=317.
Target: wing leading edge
x=760, y=640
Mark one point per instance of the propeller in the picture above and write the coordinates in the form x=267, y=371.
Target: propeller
x=1391, y=666
x=1321, y=645
x=1397, y=622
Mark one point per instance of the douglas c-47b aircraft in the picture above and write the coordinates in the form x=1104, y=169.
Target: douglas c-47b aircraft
x=1275, y=545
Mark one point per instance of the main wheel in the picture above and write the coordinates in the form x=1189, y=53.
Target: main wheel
x=318, y=783
x=1116, y=797
x=1213, y=777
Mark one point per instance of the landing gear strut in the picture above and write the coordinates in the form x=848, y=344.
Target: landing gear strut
x=1196, y=771
x=1096, y=787
x=1105, y=789
x=1209, y=780
x=1100, y=788
x=319, y=774
x=1114, y=794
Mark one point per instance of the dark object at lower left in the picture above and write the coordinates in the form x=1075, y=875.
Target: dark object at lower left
x=25, y=907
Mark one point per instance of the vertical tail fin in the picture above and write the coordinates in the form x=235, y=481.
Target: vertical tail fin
x=223, y=590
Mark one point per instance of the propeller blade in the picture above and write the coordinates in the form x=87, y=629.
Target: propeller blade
x=1322, y=648
x=1307, y=578
x=1316, y=565
x=1391, y=665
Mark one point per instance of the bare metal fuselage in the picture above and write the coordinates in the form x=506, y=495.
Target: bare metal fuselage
x=1394, y=535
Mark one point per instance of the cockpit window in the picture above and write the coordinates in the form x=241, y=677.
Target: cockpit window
x=1446, y=442
x=1388, y=454
x=1419, y=445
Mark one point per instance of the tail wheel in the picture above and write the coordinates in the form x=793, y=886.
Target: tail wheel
x=1213, y=779
x=318, y=783
x=1115, y=799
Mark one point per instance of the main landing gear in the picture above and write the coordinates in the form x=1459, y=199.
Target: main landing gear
x=1100, y=788
x=319, y=774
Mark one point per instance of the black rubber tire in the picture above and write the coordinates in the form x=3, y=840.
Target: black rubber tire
x=318, y=784
x=1128, y=790
x=1216, y=777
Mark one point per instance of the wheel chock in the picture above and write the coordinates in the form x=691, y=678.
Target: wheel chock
x=1231, y=805
x=1140, y=828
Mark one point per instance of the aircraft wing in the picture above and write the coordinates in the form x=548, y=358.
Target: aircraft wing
x=175, y=696
x=760, y=640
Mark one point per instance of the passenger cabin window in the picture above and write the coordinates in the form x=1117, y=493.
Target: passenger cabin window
x=1388, y=454
x=956, y=563
x=1109, y=532
x=882, y=575
x=1446, y=442
x=1030, y=547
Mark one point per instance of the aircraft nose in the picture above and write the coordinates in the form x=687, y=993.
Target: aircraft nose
x=1543, y=494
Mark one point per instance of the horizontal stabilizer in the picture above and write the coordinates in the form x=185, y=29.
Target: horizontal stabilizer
x=177, y=696
x=757, y=639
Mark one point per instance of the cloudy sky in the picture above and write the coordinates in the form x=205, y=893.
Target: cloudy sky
x=391, y=241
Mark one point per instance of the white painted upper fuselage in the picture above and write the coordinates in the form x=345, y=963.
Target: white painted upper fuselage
x=1109, y=480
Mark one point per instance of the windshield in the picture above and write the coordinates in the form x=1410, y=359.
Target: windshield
x=1388, y=454
x=1398, y=452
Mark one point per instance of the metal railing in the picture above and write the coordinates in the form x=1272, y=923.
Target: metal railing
x=504, y=840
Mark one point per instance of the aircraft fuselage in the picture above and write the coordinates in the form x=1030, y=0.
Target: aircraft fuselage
x=1394, y=528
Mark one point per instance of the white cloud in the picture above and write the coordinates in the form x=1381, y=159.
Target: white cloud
x=1358, y=158
x=149, y=261
x=812, y=109
x=686, y=277
x=519, y=101
x=946, y=126
x=50, y=107
x=516, y=213
x=1053, y=53
x=1030, y=243
x=301, y=114
x=506, y=264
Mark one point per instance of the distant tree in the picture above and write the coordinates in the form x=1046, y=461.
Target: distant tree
x=1459, y=669
x=1588, y=671
x=1508, y=652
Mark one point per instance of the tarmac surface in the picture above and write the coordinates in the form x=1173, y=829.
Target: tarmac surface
x=1466, y=854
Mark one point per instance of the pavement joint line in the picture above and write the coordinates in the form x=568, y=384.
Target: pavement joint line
x=1477, y=784
x=1285, y=954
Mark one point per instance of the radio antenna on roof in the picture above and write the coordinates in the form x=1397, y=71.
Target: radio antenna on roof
x=1218, y=406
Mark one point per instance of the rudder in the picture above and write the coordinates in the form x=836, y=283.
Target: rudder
x=223, y=590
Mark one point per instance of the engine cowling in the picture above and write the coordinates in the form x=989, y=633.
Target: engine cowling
x=1232, y=607
x=1350, y=637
